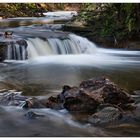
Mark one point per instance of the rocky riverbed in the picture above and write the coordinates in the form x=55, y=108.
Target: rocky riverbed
x=97, y=101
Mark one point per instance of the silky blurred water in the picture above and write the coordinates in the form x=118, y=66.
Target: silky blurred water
x=44, y=76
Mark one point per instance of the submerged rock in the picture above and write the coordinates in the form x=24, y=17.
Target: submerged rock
x=33, y=115
x=33, y=103
x=11, y=98
x=106, y=115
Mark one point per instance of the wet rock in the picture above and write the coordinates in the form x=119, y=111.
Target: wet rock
x=12, y=98
x=33, y=103
x=86, y=98
x=54, y=103
x=114, y=95
x=2, y=52
x=8, y=34
x=94, y=92
x=22, y=42
x=11, y=42
x=74, y=99
x=94, y=84
x=99, y=97
x=106, y=115
x=58, y=101
x=69, y=92
x=33, y=115
x=80, y=101
x=136, y=112
x=51, y=102
x=105, y=91
x=132, y=116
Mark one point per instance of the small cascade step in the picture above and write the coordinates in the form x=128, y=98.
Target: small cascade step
x=72, y=44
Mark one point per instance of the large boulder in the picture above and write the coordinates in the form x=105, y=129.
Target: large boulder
x=81, y=103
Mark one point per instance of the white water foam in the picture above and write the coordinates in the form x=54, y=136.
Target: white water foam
x=73, y=44
x=73, y=50
x=61, y=14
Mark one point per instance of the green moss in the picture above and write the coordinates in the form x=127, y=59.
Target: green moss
x=119, y=20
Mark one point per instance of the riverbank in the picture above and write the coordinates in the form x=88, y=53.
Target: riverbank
x=10, y=10
x=19, y=10
x=108, y=25
x=107, y=41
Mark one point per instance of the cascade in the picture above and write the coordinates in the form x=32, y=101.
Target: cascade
x=73, y=44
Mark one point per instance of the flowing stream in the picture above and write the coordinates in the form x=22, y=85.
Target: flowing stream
x=57, y=58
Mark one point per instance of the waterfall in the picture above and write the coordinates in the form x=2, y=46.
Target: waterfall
x=16, y=51
x=72, y=44
x=35, y=47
